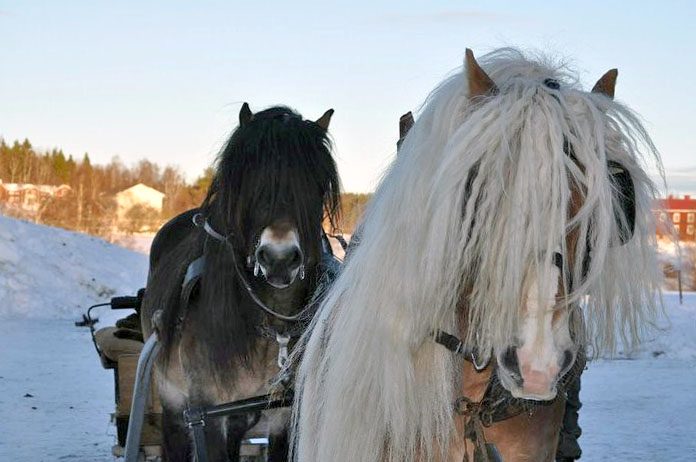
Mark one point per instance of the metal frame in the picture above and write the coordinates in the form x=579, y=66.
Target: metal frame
x=141, y=393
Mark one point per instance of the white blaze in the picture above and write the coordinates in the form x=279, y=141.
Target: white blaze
x=543, y=344
x=278, y=243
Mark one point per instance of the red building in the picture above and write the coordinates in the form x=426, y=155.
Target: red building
x=680, y=214
x=29, y=197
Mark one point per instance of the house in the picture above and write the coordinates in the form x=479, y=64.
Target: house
x=680, y=215
x=29, y=197
x=138, y=194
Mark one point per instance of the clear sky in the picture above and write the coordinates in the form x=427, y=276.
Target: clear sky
x=165, y=79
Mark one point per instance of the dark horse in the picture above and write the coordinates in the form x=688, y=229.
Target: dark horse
x=229, y=281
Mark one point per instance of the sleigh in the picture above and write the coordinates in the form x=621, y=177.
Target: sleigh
x=137, y=409
x=119, y=348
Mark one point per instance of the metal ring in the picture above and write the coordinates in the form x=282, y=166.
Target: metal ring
x=464, y=406
x=198, y=220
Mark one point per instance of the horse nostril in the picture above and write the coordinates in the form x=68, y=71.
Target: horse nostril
x=568, y=358
x=294, y=258
x=262, y=256
x=509, y=360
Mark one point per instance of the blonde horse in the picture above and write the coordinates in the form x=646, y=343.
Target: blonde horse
x=515, y=218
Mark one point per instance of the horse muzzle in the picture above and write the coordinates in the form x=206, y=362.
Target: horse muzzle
x=524, y=379
x=280, y=265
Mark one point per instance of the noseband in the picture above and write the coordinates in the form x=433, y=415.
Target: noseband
x=201, y=222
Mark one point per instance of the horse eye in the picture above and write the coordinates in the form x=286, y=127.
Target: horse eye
x=552, y=84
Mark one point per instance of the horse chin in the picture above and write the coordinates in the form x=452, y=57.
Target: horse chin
x=278, y=285
x=522, y=394
x=281, y=282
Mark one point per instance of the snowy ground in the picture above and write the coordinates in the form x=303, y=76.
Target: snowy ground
x=139, y=242
x=55, y=399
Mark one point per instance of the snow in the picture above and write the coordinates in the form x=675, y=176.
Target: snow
x=138, y=242
x=642, y=410
x=675, y=253
x=637, y=409
x=67, y=416
x=53, y=273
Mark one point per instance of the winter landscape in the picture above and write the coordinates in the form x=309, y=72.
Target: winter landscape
x=56, y=399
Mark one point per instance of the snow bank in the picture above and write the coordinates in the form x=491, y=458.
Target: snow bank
x=139, y=242
x=52, y=273
x=677, y=337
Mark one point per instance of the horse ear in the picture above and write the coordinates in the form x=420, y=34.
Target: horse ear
x=245, y=114
x=324, y=120
x=405, y=123
x=607, y=83
x=479, y=82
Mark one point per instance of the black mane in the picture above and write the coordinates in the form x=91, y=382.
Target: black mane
x=276, y=164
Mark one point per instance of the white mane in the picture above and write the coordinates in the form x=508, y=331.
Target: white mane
x=372, y=385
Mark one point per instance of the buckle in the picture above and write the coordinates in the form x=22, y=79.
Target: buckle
x=283, y=356
x=479, y=366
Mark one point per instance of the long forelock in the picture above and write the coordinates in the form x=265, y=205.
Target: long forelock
x=481, y=185
x=279, y=163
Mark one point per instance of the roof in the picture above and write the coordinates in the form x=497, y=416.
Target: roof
x=45, y=188
x=141, y=190
x=677, y=203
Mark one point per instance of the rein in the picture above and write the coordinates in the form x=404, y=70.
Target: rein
x=201, y=222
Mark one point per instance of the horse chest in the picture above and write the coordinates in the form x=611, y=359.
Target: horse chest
x=189, y=379
x=249, y=382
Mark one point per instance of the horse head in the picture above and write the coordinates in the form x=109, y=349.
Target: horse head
x=275, y=183
x=542, y=348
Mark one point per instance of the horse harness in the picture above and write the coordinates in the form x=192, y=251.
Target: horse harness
x=296, y=327
x=497, y=404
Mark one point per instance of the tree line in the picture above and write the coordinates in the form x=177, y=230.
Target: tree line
x=90, y=206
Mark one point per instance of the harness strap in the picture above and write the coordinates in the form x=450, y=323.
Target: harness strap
x=456, y=346
x=473, y=430
x=270, y=332
x=208, y=229
x=195, y=420
x=194, y=271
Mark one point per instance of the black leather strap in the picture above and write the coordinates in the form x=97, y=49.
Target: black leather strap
x=456, y=346
x=194, y=271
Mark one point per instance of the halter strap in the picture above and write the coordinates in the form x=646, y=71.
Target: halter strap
x=200, y=221
x=211, y=232
x=456, y=346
